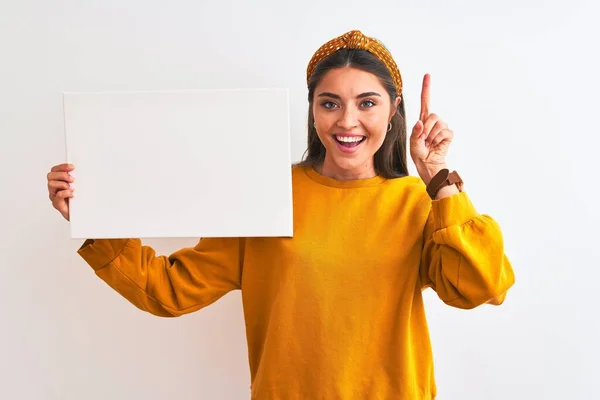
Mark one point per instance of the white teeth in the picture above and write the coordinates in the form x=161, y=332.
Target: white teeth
x=349, y=139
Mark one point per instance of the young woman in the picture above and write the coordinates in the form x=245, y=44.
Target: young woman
x=336, y=312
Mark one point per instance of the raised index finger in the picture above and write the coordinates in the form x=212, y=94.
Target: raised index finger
x=425, y=98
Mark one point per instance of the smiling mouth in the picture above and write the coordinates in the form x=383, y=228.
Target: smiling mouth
x=349, y=141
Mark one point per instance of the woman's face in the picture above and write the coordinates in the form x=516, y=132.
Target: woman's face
x=352, y=111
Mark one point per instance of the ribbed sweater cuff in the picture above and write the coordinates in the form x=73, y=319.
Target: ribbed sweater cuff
x=453, y=210
x=98, y=253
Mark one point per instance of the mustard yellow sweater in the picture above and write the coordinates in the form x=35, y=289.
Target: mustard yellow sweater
x=335, y=312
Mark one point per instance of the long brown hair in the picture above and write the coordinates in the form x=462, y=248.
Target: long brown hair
x=390, y=158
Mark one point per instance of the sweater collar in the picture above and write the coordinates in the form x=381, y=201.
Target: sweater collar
x=353, y=183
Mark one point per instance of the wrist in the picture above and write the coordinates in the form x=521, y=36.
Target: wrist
x=442, y=183
x=447, y=191
x=428, y=171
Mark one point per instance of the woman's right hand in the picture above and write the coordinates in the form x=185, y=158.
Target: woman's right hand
x=59, y=187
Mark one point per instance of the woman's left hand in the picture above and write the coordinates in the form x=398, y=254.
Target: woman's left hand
x=430, y=139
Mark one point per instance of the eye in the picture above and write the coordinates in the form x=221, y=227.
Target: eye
x=328, y=105
x=367, y=104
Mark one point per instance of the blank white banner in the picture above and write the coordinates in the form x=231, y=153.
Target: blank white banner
x=202, y=163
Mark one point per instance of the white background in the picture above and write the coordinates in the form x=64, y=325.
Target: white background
x=516, y=80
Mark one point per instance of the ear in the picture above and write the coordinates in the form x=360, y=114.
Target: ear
x=395, y=106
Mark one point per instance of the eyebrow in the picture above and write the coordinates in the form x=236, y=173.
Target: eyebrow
x=360, y=96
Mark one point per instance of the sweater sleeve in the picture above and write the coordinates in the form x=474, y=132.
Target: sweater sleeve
x=463, y=257
x=167, y=285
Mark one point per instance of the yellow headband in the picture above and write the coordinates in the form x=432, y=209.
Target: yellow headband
x=356, y=40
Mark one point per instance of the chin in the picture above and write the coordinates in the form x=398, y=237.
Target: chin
x=350, y=161
x=347, y=164
x=351, y=164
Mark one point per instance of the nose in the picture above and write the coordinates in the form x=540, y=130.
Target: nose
x=348, y=119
